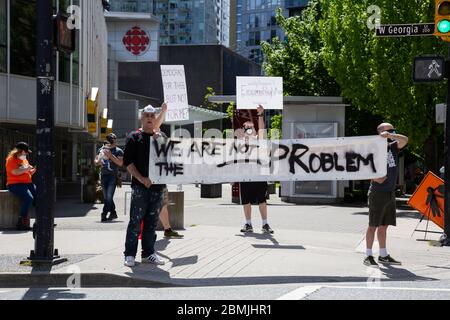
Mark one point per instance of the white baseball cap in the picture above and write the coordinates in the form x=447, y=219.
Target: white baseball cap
x=149, y=109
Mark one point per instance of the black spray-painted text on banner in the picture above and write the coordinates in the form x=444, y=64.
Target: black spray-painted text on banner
x=214, y=161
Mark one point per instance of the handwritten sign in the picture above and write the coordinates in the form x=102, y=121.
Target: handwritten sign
x=177, y=161
x=254, y=91
x=175, y=92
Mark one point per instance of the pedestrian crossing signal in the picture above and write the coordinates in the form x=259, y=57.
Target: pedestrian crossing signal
x=442, y=19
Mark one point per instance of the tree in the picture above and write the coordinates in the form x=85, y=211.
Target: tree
x=375, y=73
x=298, y=58
x=206, y=103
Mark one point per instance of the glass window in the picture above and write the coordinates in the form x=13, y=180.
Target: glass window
x=23, y=37
x=3, y=35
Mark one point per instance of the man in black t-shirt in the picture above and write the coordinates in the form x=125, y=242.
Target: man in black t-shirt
x=146, y=198
x=381, y=198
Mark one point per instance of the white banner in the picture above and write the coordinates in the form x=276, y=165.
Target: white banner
x=175, y=92
x=182, y=161
x=254, y=91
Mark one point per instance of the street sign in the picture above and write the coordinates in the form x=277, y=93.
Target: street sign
x=441, y=110
x=405, y=30
x=429, y=69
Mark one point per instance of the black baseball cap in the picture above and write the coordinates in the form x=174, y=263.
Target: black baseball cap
x=23, y=146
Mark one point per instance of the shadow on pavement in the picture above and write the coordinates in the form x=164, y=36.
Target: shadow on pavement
x=396, y=273
x=265, y=236
x=51, y=294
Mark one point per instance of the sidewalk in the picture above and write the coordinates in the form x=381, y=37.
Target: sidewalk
x=311, y=244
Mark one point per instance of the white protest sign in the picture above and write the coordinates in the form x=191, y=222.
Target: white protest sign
x=175, y=92
x=177, y=161
x=254, y=91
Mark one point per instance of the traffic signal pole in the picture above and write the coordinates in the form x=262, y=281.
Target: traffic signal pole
x=446, y=241
x=44, y=229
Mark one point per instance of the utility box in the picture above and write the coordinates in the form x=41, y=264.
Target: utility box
x=313, y=117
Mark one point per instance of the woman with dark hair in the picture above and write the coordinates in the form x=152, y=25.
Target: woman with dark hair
x=19, y=182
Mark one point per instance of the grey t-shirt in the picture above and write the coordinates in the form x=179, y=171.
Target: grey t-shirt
x=108, y=166
x=392, y=170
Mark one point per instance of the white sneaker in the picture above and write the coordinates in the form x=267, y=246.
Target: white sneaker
x=154, y=259
x=129, y=261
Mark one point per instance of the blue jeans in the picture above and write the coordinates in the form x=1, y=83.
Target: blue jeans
x=145, y=206
x=109, y=187
x=26, y=192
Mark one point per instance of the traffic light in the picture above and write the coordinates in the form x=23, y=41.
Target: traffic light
x=442, y=19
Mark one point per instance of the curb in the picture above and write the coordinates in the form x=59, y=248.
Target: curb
x=58, y=280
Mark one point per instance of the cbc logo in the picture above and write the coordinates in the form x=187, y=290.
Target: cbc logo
x=136, y=41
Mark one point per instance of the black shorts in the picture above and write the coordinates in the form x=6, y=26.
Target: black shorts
x=253, y=192
x=382, y=208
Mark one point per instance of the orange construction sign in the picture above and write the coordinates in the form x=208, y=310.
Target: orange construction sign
x=428, y=199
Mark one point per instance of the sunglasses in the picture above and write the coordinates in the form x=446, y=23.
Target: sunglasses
x=391, y=131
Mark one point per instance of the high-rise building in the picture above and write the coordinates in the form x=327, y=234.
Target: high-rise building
x=185, y=21
x=256, y=22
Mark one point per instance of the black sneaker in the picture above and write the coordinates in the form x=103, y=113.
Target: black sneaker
x=113, y=216
x=169, y=233
x=388, y=260
x=266, y=228
x=104, y=218
x=247, y=228
x=370, y=261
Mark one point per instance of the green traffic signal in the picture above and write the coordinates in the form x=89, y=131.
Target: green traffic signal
x=443, y=26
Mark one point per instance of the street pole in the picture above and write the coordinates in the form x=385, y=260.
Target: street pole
x=45, y=183
x=446, y=241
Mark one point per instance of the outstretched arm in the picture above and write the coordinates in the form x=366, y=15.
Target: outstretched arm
x=160, y=118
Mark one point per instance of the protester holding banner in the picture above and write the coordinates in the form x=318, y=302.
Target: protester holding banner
x=146, y=198
x=381, y=198
x=254, y=192
x=164, y=214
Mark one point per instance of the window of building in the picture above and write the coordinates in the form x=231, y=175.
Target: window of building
x=3, y=35
x=23, y=37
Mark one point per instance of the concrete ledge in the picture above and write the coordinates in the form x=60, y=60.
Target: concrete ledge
x=58, y=280
x=9, y=210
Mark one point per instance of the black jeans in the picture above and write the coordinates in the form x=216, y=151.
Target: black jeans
x=145, y=206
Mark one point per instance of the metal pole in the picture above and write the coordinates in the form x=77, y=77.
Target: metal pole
x=44, y=251
x=446, y=242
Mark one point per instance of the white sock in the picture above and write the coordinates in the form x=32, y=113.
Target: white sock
x=369, y=252
x=264, y=222
x=248, y=222
x=383, y=252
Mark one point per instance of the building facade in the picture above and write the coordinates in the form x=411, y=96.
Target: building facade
x=76, y=75
x=256, y=22
x=185, y=21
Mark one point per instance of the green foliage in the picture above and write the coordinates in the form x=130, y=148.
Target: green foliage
x=275, y=124
x=375, y=74
x=230, y=111
x=298, y=59
x=209, y=105
x=329, y=50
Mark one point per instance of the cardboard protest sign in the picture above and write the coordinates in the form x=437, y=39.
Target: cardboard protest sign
x=254, y=91
x=175, y=92
x=177, y=161
x=428, y=199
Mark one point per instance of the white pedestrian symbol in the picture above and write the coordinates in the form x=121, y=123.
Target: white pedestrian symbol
x=434, y=68
x=46, y=88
